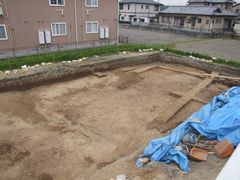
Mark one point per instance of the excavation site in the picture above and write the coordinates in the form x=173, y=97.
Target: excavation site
x=90, y=120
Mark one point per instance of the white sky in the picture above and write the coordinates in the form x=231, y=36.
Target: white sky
x=178, y=2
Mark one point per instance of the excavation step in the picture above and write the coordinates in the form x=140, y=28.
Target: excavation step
x=177, y=105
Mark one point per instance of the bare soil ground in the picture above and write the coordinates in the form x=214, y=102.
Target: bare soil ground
x=94, y=128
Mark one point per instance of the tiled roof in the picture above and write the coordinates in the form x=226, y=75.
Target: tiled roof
x=198, y=10
x=164, y=7
x=139, y=2
x=213, y=1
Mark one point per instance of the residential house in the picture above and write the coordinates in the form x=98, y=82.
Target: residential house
x=236, y=9
x=44, y=24
x=197, y=17
x=134, y=10
x=225, y=4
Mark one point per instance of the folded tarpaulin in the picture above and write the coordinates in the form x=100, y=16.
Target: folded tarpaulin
x=219, y=119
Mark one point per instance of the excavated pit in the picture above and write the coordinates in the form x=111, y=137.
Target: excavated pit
x=83, y=126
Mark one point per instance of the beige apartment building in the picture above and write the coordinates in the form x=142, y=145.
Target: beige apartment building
x=128, y=9
x=25, y=24
x=225, y=4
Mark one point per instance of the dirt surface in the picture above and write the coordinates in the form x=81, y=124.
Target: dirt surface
x=149, y=37
x=225, y=49
x=94, y=127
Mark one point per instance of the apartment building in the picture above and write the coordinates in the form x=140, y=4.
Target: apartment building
x=225, y=4
x=137, y=8
x=48, y=23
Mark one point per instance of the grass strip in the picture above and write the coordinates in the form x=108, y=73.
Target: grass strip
x=104, y=51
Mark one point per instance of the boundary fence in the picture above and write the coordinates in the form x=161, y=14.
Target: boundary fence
x=16, y=52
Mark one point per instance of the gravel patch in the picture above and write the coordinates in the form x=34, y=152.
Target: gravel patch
x=225, y=49
x=149, y=37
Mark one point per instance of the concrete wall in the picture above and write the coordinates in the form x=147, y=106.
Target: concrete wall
x=178, y=31
x=25, y=18
x=237, y=28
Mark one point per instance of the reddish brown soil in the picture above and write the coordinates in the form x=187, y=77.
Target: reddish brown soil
x=79, y=128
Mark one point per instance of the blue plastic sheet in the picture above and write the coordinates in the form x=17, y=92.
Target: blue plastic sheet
x=219, y=119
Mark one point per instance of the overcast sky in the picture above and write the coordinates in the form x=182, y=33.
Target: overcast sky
x=178, y=2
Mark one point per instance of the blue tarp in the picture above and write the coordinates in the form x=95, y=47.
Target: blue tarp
x=219, y=119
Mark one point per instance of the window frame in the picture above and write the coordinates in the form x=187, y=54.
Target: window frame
x=199, y=20
x=167, y=17
x=146, y=6
x=156, y=6
x=56, y=4
x=179, y=22
x=120, y=6
x=188, y=20
x=122, y=18
x=207, y=21
x=141, y=6
x=128, y=6
x=2, y=39
x=91, y=22
x=218, y=21
x=59, y=24
x=91, y=3
x=238, y=11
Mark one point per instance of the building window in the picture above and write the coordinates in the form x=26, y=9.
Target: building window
x=188, y=21
x=92, y=3
x=218, y=21
x=141, y=6
x=156, y=8
x=128, y=6
x=57, y=2
x=212, y=22
x=59, y=29
x=122, y=18
x=165, y=19
x=92, y=27
x=121, y=6
x=238, y=11
x=179, y=22
x=3, y=33
x=228, y=7
x=146, y=6
x=199, y=20
x=207, y=21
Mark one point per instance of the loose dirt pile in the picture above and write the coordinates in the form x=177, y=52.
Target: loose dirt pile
x=94, y=128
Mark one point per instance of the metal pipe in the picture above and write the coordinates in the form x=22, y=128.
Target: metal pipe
x=118, y=24
x=6, y=23
x=83, y=23
x=6, y=9
x=76, y=22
